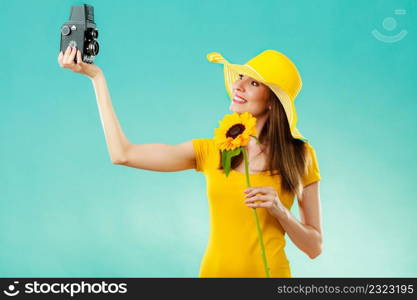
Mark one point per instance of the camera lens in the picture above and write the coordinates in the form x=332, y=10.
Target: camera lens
x=92, y=48
x=92, y=33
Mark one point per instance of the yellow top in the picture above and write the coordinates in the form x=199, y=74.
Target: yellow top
x=233, y=248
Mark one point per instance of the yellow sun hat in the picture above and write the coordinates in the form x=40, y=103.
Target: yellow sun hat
x=273, y=69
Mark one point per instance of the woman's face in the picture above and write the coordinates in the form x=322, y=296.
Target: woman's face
x=254, y=92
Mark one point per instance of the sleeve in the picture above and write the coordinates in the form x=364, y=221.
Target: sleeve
x=313, y=170
x=201, y=150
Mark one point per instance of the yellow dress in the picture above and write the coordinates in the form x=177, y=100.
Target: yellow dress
x=233, y=248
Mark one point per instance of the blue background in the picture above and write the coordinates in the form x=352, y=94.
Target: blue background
x=65, y=210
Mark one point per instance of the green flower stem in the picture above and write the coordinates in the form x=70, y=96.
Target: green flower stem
x=261, y=241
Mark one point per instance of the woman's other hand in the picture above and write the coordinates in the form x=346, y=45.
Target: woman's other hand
x=66, y=60
x=268, y=198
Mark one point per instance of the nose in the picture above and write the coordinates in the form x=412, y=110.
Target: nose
x=238, y=85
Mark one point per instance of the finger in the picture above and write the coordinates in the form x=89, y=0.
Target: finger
x=265, y=204
x=258, y=190
x=258, y=197
x=65, y=60
x=67, y=51
x=79, y=60
x=253, y=193
x=72, y=54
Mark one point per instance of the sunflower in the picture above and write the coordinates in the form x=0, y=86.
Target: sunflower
x=235, y=131
x=233, y=134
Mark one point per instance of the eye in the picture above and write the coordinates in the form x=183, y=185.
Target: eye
x=256, y=83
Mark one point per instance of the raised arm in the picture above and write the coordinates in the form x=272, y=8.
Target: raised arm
x=116, y=141
x=156, y=157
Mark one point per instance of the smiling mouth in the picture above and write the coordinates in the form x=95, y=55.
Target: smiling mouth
x=238, y=99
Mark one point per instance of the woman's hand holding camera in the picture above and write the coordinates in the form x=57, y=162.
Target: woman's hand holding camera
x=66, y=60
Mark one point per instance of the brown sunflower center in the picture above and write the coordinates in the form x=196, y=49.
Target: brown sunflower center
x=235, y=130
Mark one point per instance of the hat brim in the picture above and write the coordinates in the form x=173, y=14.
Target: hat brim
x=231, y=74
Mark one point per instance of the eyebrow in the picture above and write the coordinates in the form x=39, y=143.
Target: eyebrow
x=248, y=76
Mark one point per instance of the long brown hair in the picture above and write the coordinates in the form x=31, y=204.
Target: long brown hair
x=288, y=157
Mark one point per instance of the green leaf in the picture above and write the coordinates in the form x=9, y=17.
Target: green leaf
x=227, y=159
x=224, y=154
x=236, y=151
x=227, y=163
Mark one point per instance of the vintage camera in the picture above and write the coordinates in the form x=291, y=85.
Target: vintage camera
x=81, y=32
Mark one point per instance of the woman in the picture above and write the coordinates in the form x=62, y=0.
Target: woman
x=281, y=166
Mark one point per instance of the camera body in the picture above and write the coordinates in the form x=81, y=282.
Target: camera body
x=80, y=31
